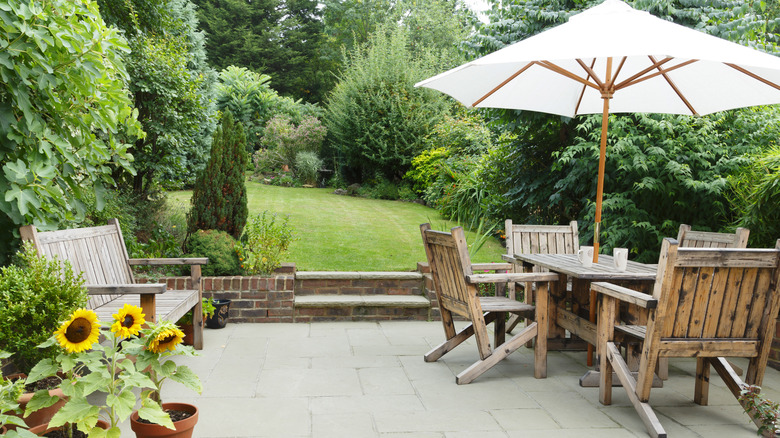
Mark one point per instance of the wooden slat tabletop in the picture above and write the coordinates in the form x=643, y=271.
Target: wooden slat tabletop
x=603, y=270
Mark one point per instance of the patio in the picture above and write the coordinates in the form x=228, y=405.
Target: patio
x=368, y=379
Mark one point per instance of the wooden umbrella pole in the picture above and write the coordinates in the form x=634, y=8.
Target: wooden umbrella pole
x=606, y=94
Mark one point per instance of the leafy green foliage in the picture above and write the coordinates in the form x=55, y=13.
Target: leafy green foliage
x=282, y=135
x=172, y=88
x=219, y=247
x=760, y=409
x=35, y=295
x=307, y=166
x=219, y=196
x=65, y=114
x=756, y=198
x=264, y=243
x=376, y=118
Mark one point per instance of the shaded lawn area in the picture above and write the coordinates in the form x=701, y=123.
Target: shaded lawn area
x=343, y=233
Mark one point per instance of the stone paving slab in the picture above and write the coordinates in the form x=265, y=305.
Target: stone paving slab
x=368, y=379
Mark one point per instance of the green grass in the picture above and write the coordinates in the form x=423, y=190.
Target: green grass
x=342, y=233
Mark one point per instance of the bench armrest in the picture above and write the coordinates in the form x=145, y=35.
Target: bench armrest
x=492, y=266
x=625, y=294
x=169, y=261
x=122, y=289
x=505, y=278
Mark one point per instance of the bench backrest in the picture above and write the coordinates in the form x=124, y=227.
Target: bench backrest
x=707, y=239
x=98, y=253
x=542, y=239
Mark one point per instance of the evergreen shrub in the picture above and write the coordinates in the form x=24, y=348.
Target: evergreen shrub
x=219, y=247
x=219, y=197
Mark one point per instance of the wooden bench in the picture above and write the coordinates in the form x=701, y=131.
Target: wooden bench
x=99, y=254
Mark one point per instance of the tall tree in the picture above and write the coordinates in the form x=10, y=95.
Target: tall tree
x=219, y=197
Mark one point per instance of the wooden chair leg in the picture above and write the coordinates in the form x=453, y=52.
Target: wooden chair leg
x=499, y=353
x=653, y=426
x=458, y=338
x=499, y=329
x=702, y=387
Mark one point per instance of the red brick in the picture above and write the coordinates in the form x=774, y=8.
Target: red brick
x=280, y=312
x=254, y=313
x=311, y=311
x=245, y=283
x=284, y=295
x=253, y=295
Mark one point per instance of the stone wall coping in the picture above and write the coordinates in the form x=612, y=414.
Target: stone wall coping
x=357, y=275
x=361, y=300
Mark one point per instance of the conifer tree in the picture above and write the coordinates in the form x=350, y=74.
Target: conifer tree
x=219, y=196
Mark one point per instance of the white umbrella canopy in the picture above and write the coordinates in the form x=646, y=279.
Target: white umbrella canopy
x=613, y=58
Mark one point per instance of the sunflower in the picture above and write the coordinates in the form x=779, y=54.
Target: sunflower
x=80, y=332
x=128, y=322
x=164, y=337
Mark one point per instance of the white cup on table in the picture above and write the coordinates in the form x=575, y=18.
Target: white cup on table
x=585, y=256
x=620, y=256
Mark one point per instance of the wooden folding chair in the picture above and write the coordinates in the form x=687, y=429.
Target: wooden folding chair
x=456, y=292
x=537, y=239
x=707, y=303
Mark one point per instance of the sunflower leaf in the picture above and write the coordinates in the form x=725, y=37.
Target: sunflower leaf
x=76, y=409
x=123, y=403
x=188, y=378
x=42, y=369
x=153, y=412
x=41, y=399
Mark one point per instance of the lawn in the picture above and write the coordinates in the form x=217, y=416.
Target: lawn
x=342, y=233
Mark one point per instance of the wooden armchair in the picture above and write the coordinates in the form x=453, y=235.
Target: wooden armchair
x=456, y=293
x=707, y=303
x=99, y=254
x=537, y=239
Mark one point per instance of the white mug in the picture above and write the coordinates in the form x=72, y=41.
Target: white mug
x=620, y=255
x=585, y=256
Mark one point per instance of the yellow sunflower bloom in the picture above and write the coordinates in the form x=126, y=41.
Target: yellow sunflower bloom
x=80, y=332
x=164, y=337
x=128, y=321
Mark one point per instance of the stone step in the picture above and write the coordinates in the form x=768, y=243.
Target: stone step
x=399, y=301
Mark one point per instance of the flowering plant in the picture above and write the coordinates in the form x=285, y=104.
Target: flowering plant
x=131, y=359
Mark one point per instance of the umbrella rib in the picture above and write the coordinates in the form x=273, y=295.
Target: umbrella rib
x=628, y=81
x=582, y=93
x=754, y=76
x=562, y=71
x=660, y=72
x=509, y=79
x=674, y=87
x=617, y=72
x=590, y=72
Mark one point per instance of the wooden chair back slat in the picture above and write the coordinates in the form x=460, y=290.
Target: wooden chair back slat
x=542, y=239
x=706, y=239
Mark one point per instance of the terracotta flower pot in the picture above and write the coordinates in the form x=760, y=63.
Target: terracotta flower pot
x=41, y=416
x=43, y=429
x=184, y=428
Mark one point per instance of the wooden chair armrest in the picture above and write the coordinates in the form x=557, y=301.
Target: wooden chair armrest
x=505, y=278
x=625, y=294
x=169, y=261
x=122, y=289
x=491, y=266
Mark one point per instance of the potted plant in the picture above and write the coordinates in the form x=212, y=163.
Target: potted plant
x=185, y=322
x=112, y=371
x=219, y=316
x=35, y=295
x=160, y=343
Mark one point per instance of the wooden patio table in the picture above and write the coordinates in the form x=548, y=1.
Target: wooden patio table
x=572, y=310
